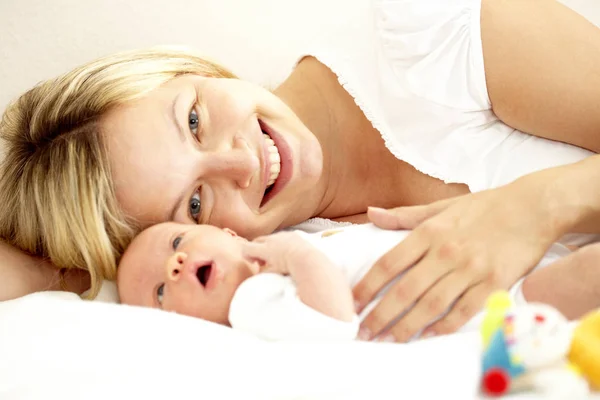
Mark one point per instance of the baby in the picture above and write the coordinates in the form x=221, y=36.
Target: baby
x=288, y=285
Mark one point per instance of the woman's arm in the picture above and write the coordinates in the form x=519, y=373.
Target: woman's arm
x=466, y=247
x=542, y=66
x=572, y=196
x=22, y=274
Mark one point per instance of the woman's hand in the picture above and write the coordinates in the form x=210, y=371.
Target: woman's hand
x=461, y=250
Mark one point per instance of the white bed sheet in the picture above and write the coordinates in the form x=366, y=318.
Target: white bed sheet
x=53, y=345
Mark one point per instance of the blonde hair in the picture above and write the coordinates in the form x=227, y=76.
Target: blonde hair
x=56, y=192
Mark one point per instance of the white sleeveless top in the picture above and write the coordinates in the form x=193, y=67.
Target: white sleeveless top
x=415, y=69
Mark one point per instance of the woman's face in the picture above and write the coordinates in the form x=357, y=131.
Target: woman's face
x=206, y=150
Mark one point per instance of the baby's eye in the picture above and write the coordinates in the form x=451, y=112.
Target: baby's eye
x=159, y=293
x=176, y=242
x=194, y=121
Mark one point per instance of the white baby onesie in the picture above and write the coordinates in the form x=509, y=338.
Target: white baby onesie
x=267, y=305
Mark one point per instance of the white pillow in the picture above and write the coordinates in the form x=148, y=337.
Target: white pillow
x=54, y=345
x=108, y=293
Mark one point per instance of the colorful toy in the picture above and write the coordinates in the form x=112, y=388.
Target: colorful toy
x=585, y=348
x=525, y=348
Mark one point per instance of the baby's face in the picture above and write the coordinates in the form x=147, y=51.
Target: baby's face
x=189, y=269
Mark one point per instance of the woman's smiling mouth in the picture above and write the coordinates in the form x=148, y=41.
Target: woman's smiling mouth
x=277, y=163
x=273, y=167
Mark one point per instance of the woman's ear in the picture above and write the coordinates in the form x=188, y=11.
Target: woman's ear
x=232, y=233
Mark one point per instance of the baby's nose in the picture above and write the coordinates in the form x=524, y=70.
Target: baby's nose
x=175, y=265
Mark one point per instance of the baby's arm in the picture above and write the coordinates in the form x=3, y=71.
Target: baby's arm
x=319, y=283
x=571, y=284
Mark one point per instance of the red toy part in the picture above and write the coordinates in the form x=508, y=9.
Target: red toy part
x=495, y=382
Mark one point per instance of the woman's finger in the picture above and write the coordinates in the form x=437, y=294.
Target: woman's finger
x=395, y=261
x=405, y=217
x=434, y=304
x=401, y=296
x=472, y=302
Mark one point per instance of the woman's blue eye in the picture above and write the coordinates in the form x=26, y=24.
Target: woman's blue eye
x=194, y=121
x=159, y=293
x=195, y=206
x=176, y=242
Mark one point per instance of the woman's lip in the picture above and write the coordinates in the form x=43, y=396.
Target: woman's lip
x=285, y=155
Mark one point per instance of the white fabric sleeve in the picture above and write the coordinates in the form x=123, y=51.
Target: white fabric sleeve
x=267, y=306
x=436, y=45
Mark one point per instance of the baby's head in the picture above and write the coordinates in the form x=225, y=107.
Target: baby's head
x=189, y=269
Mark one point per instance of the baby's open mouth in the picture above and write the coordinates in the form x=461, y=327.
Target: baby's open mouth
x=203, y=274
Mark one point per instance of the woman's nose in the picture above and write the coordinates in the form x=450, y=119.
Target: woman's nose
x=175, y=265
x=238, y=163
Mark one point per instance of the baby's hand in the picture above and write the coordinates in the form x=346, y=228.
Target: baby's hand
x=280, y=252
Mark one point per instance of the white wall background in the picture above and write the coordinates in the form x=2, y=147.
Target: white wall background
x=256, y=38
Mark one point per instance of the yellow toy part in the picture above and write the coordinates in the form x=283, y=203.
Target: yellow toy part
x=574, y=369
x=585, y=348
x=495, y=309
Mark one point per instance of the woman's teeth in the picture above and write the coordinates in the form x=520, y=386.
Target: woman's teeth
x=274, y=159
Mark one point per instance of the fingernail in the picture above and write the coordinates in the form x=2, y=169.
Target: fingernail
x=387, y=338
x=364, y=334
x=377, y=209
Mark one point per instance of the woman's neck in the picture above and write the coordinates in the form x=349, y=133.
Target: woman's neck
x=311, y=93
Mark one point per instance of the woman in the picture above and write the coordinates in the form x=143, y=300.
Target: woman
x=138, y=138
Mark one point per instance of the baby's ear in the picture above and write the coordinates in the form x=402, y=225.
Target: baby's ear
x=232, y=233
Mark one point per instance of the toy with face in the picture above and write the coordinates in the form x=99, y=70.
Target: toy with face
x=528, y=350
x=536, y=336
